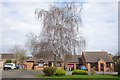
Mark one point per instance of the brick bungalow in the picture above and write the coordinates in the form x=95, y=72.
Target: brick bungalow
x=99, y=61
x=44, y=59
x=72, y=61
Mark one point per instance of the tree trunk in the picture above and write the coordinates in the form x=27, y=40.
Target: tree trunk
x=55, y=61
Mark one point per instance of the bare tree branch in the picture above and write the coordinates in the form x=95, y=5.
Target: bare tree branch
x=60, y=32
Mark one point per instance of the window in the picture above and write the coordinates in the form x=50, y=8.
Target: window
x=7, y=64
x=50, y=64
x=58, y=64
x=40, y=64
x=108, y=64
x=93, y=65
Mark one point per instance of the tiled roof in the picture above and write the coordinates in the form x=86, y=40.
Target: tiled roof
x=73, y=58
x=95, y=56
x=45, y=56
x=7, y=56
x=115, y=58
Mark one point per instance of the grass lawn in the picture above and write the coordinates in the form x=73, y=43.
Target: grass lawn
x=81, y=77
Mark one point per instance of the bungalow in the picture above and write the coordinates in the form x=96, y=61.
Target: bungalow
x=44, y=59
x=99, y=61
x=72, y=62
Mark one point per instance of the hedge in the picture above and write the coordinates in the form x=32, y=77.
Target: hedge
x=79, y=72
x=60, y=72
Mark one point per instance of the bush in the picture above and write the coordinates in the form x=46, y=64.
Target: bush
x=8, y=61
x=49, y=71
x=79, y=72
x=60, y=72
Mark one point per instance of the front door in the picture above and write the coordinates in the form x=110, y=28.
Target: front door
x=50, y=64
x=101, y=67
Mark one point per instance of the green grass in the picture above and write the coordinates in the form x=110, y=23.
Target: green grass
x=82, y=76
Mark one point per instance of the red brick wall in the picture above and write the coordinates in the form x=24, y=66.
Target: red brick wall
x=99, y=65
x=29, y=65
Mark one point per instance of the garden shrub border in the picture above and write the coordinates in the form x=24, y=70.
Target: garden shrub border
x=49, y=71
x=60, y=72
x=79, y=72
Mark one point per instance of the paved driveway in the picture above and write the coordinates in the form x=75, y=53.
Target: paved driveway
x=20, y=73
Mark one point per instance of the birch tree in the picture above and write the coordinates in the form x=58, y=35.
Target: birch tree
x=60, y=32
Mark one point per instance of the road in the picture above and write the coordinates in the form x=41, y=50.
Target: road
x=20, y=73
x=33, y=73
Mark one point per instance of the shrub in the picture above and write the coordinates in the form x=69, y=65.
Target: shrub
x=79, y=72
x=60, y=72
x=8, y=61
x=49, y=71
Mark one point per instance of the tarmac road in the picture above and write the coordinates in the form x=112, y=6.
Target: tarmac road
x=20, y=73
x=33, y=73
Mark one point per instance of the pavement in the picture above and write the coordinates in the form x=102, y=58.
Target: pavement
x=33, y=73
x=111, y=73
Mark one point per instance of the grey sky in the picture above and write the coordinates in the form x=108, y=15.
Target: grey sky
x=99, y=19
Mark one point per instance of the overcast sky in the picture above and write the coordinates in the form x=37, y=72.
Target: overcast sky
x=99, y=23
